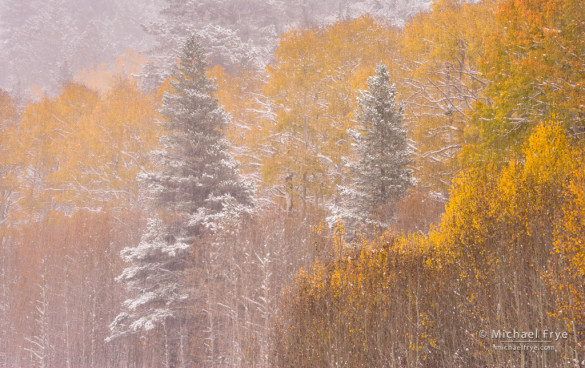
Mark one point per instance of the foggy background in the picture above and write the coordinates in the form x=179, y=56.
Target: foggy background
x=47, y=42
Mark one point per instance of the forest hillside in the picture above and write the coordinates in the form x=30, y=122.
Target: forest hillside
x=293, y=184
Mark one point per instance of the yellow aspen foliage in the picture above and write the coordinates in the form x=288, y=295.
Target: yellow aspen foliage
x=534, y=68
x=80, y=150
x=548, y=156
x=45, y=134
x=241, y=96
x=9, y=196
x=440, y=51
x=103, y=77
x=313, y=101
x=115, y=142
x=508, y=253
x=8, y=110
x=567, y=278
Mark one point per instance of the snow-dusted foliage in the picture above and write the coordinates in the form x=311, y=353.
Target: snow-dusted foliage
x=241, y=34
x=380, y=176
x=394, y=11
x=198, y=174
x=223, y=46
x=190, y=192
x=155, y=278
x=42, y=39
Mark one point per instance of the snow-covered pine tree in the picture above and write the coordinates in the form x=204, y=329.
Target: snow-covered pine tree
x=188, y=195
x=380, y=177
x=199, y=175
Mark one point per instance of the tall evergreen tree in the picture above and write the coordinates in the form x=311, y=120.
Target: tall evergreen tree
x=197, y=180
x=199, y=175
x=380, y=177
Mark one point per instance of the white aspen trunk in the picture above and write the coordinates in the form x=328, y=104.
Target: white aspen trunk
x=67, y=342
x=167, y=361
x=182, y=345
x=93, y=330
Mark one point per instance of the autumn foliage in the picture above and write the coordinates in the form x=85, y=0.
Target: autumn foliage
x=491, y=235
x=507, y=252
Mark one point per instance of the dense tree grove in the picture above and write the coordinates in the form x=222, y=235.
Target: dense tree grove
x=370, y=192
x=494, y=261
